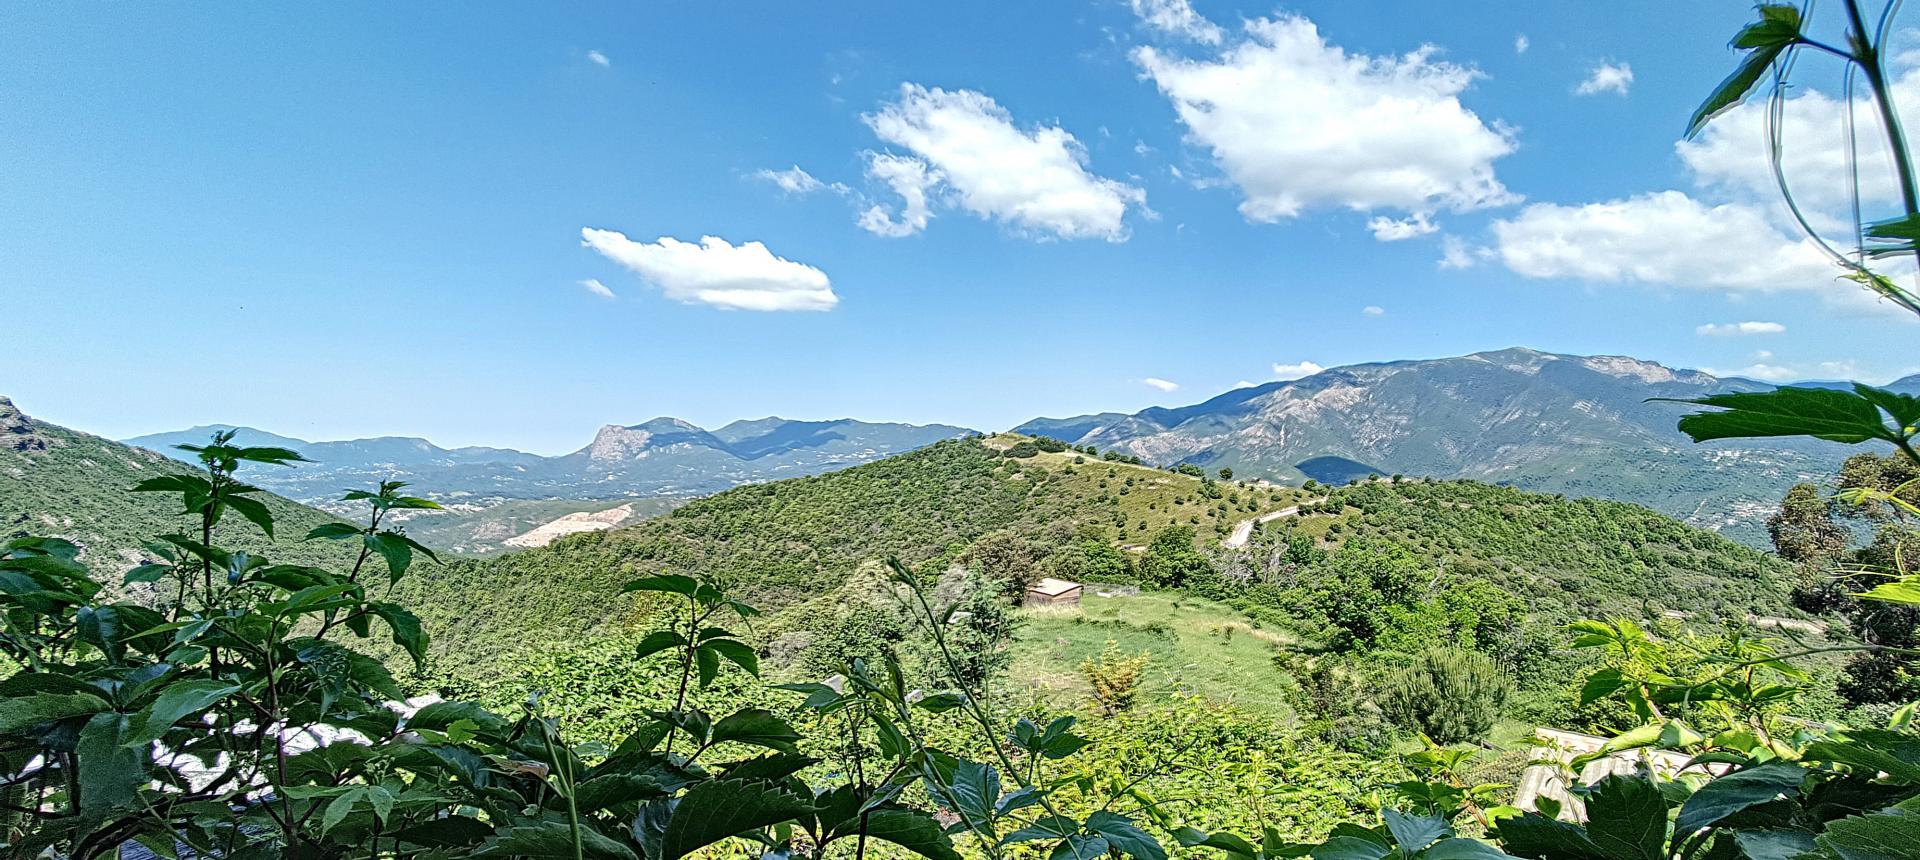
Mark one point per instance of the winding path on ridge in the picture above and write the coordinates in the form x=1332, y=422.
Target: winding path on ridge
x=1243, y=531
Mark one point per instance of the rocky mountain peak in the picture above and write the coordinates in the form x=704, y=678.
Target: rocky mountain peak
x=17, y=431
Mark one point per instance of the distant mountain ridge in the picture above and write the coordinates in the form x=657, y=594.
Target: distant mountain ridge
x=1542, y=421
x=662, y=457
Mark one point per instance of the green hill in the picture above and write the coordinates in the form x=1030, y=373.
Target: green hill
x=798, y=543
x=56, y=482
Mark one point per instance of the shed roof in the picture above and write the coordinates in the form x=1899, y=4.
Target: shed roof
x=1050, y=587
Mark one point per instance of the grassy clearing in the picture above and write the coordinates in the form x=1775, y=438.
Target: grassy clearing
x=1144, y=499
x=1196, y=647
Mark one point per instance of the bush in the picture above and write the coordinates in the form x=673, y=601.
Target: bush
x=1023, y=450
x=1448, y=694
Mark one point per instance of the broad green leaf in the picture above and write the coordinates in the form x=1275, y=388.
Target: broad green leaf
x=552, y=839
x=1778, y=27
x=1823, y=413
x=613, y=789
x=1627, y=818
x=1774, y=844
x=254, y=510
x=739, y=652
x=940, y=703
x=1414, y=832
x=1044, y=828
x=657, y=641
x=707, y=663
x=668, y=582
x=1882, y=836
x=178, y=701
x=758, y=728
x=1903, y=590
x=340, y=807
x=111, y=773
x=147, y=573
x=1463, y=849
x=1535, y=836
x=1736, y=791
x=396, y=551
x=22, y=712
x=1080, y=847
x=1349, y=848
x=1190, y=837
x=711, y=811
x=1893, y=753
x=333, y=531
x=975, y=788
x=912, y=830
x=407, y=632
x=1122, y=834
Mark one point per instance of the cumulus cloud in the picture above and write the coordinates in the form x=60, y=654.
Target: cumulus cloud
x=1521, y=43
x=599, y=59
x=1373, y=310
x=794, y=180
x=1666, y=238
x=1607, y=78
x=1297, y=123
x=965, y=145
x=1739, y=329
x=1395, y=229
x=1177, y=18
x=1731, y=153
x=1162, y=384
x=594, y=286
x=718, y=273
x=1295, y=370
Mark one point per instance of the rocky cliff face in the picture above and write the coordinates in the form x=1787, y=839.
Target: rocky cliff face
x=17, y=431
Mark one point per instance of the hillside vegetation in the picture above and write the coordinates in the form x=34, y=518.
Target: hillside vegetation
x=786, y=543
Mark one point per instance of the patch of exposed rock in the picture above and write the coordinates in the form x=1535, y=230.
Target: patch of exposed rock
x=583, y=521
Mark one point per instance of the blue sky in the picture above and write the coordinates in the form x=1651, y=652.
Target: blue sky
x=351, y=219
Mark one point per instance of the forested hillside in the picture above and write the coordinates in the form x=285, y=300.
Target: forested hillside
x=1078, y=516
x=56, y=482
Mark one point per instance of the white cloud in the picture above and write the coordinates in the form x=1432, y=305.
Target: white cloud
x=594, y=286
x=794, y=180
x=1665, y=238
x=1761, y=371
x=910, y=178
x=1177, y=18
x=1296, y=370
x=1846, y=369
x=599, y=59
x=1763, y=355
x=1521, y=44
x=1607, y=78
x=1454, y=254
x=1739, y=329
x=966, y=143
x=1373, y=310
x=1298, y=123
x=718, y=273
x=1395, y=229
x=1731, y=153
x=1162, y=384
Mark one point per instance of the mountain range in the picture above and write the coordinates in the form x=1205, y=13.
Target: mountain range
x=1578, y=425
x=1581, y=425
x=662, y=457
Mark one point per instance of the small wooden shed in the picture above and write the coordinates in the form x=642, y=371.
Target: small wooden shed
x=1054, y=592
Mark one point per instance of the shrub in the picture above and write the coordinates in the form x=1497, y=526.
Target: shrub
x=1448, y=694
x=1115, y=677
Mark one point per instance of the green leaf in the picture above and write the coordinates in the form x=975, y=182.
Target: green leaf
x=1774, y=844
x=739, y=652
x=333, y=531
x=339, y=807
x=254, y=510
x=407, y=632
x=1190, y=837
x=396, y=551
x=974, y=789
x=272, y=456
x=912, y=830
x=111, y=773
x=24, y=712
x=1894, y=753
x=453, y=831
x=552, y=839
x=613, y=789
x=1627, y=818
x=178, y=701
x=1535, y=836
x=1823, y=413
x=758, y=728
x=1123, y=835
x=1413, y=833
x=715, y=810
x=1463, y=849
x=1778, y=27
x=1734, y=792
x=1882, y=836
x=1349, y=848
x=668, y=582
x=657, y=641
x=940, y=703
x=707, y=663
x=147, y=573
